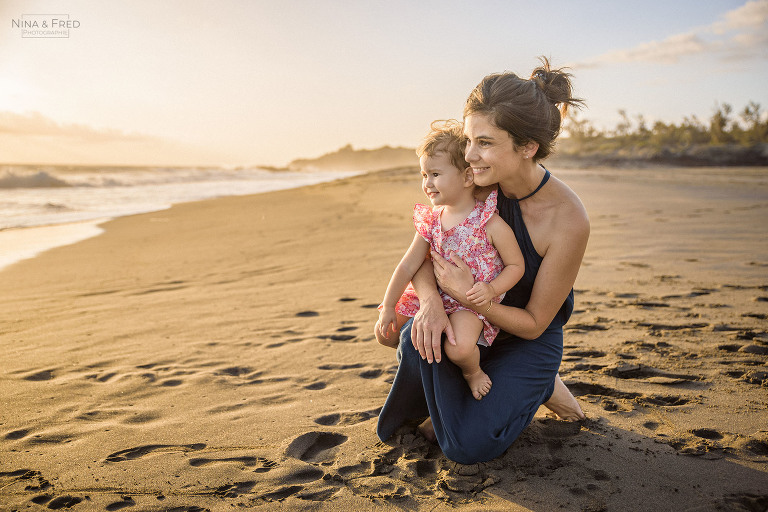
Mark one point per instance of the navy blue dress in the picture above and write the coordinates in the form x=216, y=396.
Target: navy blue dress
x=522, y=371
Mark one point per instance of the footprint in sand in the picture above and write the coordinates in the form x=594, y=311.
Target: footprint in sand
x=125, y=501
x=648, y=374
x=16, y=434
x=40, y=376
x=585, y=353
x=586, y=327
x=234, y=490
x=356, y=470
x=337, y=337
x=33, y=479
x=582, y=367
x=371, y=374
x=347, y=418
x=582, y=388
x=585, y=388
x=238, y=371
x=316, y=447
x=303, y=475
x=282, y=493
x=670, y=327
x=141, y=451
x=707, y=433
x=350, y=366
x=263, y=465
x=65, y=501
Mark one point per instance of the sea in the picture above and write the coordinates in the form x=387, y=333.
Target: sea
x=42, y=207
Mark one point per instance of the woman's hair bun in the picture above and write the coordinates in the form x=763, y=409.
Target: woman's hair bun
x=556, y=85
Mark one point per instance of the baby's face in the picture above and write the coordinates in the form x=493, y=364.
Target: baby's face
x=441, y=181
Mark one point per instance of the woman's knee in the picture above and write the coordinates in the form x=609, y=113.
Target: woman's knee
x=472, y=452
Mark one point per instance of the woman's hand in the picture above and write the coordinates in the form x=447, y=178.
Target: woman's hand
x=454, y=277
x=428, y=326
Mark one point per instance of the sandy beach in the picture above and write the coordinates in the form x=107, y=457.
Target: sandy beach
x=219, y=355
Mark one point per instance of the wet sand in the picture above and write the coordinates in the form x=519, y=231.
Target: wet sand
x=219, y=354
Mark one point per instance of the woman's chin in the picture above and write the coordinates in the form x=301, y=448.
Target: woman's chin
x=483, y=179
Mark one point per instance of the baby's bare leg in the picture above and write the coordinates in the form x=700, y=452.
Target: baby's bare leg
x=465, y=354
x=394, y=337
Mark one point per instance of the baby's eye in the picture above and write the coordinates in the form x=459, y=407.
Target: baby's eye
x=435, y=174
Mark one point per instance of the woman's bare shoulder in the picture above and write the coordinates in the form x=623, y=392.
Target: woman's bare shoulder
x=571, y=215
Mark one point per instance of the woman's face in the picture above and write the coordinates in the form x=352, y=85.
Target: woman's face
x=490, y=151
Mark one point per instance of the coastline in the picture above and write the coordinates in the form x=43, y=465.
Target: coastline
x=27, y=241
x=219, y=353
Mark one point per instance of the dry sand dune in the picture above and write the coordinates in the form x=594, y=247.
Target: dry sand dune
x=219, y=355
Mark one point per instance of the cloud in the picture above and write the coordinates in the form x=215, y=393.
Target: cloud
x=740, y=34
x=36, y=139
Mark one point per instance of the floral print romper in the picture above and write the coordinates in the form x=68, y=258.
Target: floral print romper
x=470, y=242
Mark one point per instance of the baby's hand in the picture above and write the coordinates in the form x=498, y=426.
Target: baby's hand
x=481, y=293
x=387, y=319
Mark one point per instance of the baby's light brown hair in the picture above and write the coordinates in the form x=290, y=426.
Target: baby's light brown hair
x=447, y=136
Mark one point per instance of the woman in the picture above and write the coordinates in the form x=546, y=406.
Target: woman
x=510, y=125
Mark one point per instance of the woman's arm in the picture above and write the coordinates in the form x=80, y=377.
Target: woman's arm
x=554, y=281
x=503, y=239
x=431, y=320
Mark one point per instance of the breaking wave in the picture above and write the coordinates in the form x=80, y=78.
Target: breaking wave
x=40, y=179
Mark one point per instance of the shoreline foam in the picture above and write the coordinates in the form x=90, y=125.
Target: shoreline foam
x=24, y=243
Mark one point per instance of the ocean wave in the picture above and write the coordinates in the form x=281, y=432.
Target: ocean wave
x=39, y=179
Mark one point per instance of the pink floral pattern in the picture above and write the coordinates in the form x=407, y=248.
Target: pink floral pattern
x=470, y=241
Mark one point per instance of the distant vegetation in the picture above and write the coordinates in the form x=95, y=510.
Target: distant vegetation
x=724, y=139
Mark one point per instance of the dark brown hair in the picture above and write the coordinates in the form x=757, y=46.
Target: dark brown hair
x=445, y=136
x=529, y=110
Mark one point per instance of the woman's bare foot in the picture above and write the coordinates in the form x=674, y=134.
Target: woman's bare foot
x=563, y=403
x=479, y=382
x=427, y=430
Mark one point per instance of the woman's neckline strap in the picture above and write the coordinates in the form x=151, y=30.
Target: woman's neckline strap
x=543, y=182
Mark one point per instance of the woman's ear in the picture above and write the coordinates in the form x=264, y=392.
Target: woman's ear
x=530, y=149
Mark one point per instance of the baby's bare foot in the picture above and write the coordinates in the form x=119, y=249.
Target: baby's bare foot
x=479, y=382
x=428, y=431
x=563, y=403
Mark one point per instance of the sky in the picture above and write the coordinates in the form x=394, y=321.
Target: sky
x=249, y=82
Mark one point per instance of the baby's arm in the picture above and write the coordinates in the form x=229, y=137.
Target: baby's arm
x=412, y=260
x=503, y=238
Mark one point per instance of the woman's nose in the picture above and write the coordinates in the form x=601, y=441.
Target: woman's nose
x=470, y=154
